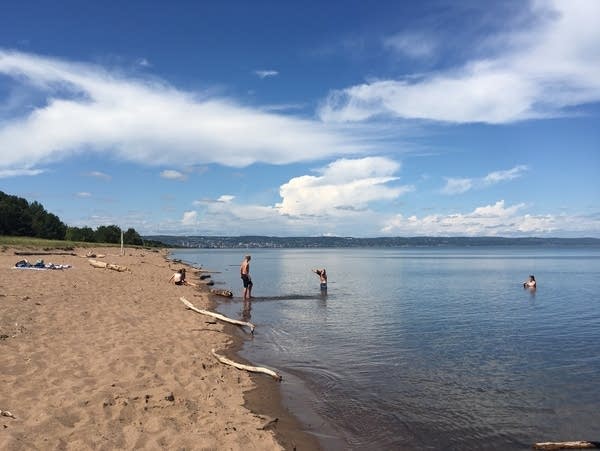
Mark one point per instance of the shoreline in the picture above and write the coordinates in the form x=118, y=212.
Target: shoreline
x=266, y=397
x=94, y=358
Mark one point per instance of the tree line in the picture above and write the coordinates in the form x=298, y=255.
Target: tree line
x=21, y=218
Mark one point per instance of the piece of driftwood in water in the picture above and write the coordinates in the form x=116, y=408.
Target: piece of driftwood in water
x=6, y=413
x=205, y=276
x=240, y=366
x=567, y=445
x=114, y=267
x=224, y=293
x=224, y=318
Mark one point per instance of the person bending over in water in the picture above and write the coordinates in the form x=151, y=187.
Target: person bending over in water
x=245, y=275
x=530, y=283
x=322, y=273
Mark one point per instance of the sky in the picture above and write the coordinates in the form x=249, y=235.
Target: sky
x=340, y=118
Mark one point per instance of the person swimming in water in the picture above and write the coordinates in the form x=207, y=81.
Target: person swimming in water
x=531, y=283
x=322, y=273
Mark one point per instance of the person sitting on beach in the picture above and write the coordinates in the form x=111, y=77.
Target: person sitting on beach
x=530, y=283
x=322, y=273
x=246, y=279
x=178, y=278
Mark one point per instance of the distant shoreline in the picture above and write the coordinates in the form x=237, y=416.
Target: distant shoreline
x=244, y=242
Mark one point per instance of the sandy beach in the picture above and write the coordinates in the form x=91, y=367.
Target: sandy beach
x=99, y=359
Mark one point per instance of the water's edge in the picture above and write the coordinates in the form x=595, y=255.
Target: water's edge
x=297, y=422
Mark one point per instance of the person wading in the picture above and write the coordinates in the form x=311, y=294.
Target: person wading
x=246, y=279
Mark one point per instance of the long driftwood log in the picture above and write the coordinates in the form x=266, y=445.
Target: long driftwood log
x=114, y=267
x=190, y=306
x=567, y=445
x=240, y=366
x=44, y=253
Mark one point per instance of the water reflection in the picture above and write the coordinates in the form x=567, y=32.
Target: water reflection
x=246, y=309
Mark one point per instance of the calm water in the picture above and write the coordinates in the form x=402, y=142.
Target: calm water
x=427, y=348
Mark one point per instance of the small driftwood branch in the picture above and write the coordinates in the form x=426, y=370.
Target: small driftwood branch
x=268, y=424
x=114, y=267
x=240, y=366
x=190, y=306
x=567, y=445
x=225, y=293
x=6, y=413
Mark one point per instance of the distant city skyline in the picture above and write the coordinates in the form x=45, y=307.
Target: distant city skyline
x=436, y=118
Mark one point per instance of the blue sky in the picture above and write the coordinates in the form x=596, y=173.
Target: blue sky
x=447, y=118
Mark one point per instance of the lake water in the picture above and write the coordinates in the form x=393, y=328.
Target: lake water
x=426, y=348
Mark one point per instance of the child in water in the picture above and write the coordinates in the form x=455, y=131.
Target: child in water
x=322, y=273
x=530, y=283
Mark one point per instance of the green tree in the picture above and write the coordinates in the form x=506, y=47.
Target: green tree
x=108, y=234
x=80, y=234
x=44, y=224
x=132, y=237
x=15, y=218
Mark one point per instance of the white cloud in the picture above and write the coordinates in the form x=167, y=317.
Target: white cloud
x=462, y=185
x=83, y=194
x=493, y=220
x=226, y=198
x=500, y=176
x=336, y=194
x=266, y=73
x=148, y=122
x=223, y=199
x=190, y=218
x=99, y=175
x=553, y=65
x=496, y=211
x=144, y=62
x=6, y=173
x=343, y=187
x=457, y=185
x=171, y=174
x=414, y=45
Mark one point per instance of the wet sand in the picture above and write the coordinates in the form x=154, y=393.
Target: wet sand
x=98, y=359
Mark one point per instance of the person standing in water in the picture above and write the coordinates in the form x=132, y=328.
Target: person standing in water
x=245, y=275
x=322, y=273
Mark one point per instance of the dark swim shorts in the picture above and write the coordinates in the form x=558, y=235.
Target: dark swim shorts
x=246, y=280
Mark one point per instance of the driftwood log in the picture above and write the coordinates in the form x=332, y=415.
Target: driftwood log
x=567, y=445
x=224, y=318
x=44, y=253
x=240, y=366
x=224, y=293
x=6, y=413
x=114, y=267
